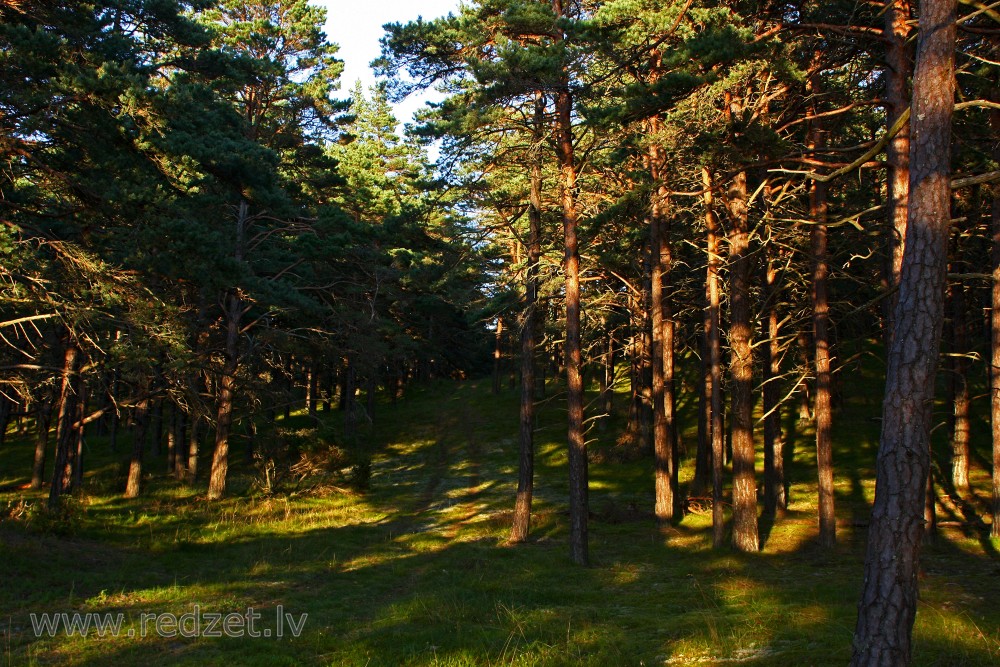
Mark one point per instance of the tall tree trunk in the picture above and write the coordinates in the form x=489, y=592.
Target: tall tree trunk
x=578, y=502
x=823, y=409
x=661, y=358
x=224, y=419
x=995, y=359
x=526, y=433
x=995, y=326
x=887, y=607
x=774, y=466
x=897, y=76
x=234, y=311
x=67, y=413
x=745, y=535
x=713, y=336
x=498, y=355
x=961, y=400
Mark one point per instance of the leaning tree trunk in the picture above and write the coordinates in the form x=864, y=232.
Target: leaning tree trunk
x=526, y=440
x=887, y=607
x=745, y=535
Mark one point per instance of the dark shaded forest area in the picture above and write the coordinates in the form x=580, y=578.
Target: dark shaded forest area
x=257, y=341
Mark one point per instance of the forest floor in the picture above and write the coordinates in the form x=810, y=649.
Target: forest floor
x=415, y=568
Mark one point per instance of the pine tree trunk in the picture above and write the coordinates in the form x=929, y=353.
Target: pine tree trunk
x=497, y=355
x=994, y=375
x=234, y=311
x=79, y=428
x=224, y=419
x=578, y=502
x=713, y=336
x=312, y=400
x=823, y=408
x=774, y=466
x=661, y=359
x=348, y=400
x=887, y=607
x=172, y=440
x=526, y=434
x=5, y=410
x=961, y=400
x=43, y=417
x=67, y=412
x=134, y=483
x=897, y=152
x=191, y=475
x=745, y=535
x=995, y=359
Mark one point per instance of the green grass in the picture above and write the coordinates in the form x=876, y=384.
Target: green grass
x=416, y=569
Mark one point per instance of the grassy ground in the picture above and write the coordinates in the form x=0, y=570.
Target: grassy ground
x=415, y=570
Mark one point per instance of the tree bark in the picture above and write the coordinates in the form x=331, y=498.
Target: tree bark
x=745, y=530
x=5, y=409
x=224, y=419
x=661, y=355
x=823, y=408
x=43, y=417
x=887, y=607
x=134, y=484
x=774, y=466
x=224, y=416
x=578, y=502
x=192, y=458
x=713, y=336
x=498, y=355
x=526, y=433
x=995, y=327
x=897, y=151
x=960, y=394
x=62, y=470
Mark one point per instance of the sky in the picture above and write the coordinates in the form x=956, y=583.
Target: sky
x=356, y=27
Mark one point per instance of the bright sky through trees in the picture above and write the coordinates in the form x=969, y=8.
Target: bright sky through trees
x=356, y=26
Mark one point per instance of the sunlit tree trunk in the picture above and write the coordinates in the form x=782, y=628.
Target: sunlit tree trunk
x=526, y=433
x=578, y=512
x=745, y=535
x=713, y=336
x=897, y=152
x=661, y=355
x=823, y=408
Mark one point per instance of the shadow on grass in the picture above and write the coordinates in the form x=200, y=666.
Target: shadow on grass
x=416, y=571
